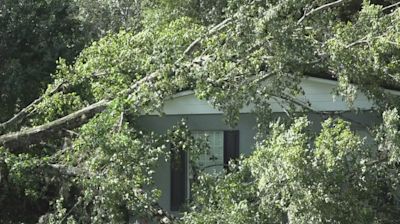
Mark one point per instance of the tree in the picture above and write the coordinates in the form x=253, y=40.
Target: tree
x=33, y=36
x=102, y=17
x=81, y=154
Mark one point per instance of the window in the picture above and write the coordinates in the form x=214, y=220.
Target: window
x=211, y=160
x=224, y=146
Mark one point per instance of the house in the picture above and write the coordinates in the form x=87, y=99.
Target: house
x=227, y=142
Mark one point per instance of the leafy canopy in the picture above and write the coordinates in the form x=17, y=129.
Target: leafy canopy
x=101, y=172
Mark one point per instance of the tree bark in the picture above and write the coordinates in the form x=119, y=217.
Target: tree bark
x=24, y=113
x=18, y=141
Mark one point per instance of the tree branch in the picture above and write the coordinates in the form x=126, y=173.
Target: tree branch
x=360, y=41
x=51, y=129
x=20, y=116
x=162, y=216
x=55, y=128
x=196, y=43
x=390, y=6
x=322, y=7
x=17, y=140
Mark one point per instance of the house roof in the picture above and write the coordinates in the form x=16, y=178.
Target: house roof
x=318, y=92
x=327, y=76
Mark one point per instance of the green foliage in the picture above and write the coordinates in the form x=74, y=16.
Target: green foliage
x=26, y=186
x=109, y=163
x=117, y=163
x=365, y=51
x=102, y=173
x=228, y=198
x=290, y=179
x=205, y=12
x=102, y=17
x=34, y=34
x=388, y=135
x=111, y=65
x=58, y=105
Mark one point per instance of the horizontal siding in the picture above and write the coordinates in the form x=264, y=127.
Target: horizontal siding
x=318, y=92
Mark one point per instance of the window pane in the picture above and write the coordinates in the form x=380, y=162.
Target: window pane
x=211, y=160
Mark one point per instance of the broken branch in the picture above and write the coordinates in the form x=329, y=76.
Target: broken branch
x=390, y=6
x=194, y=45
x=54, y=128
x=322, y=7
x=20, y=116
x=162, y=216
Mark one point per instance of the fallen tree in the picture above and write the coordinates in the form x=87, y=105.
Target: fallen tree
x=258, y=52
x=74, y=120
x=55, y=129
x=19, y=142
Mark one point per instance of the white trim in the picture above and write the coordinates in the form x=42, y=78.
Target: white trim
x=318, y=91
x=391, y=91
x=183, y=93
x=321, y=80
x=200, y=134
x=334, y=82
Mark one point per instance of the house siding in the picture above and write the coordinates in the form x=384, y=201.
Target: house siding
x=247, y=130
x=160, y=125
x=201, y=115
